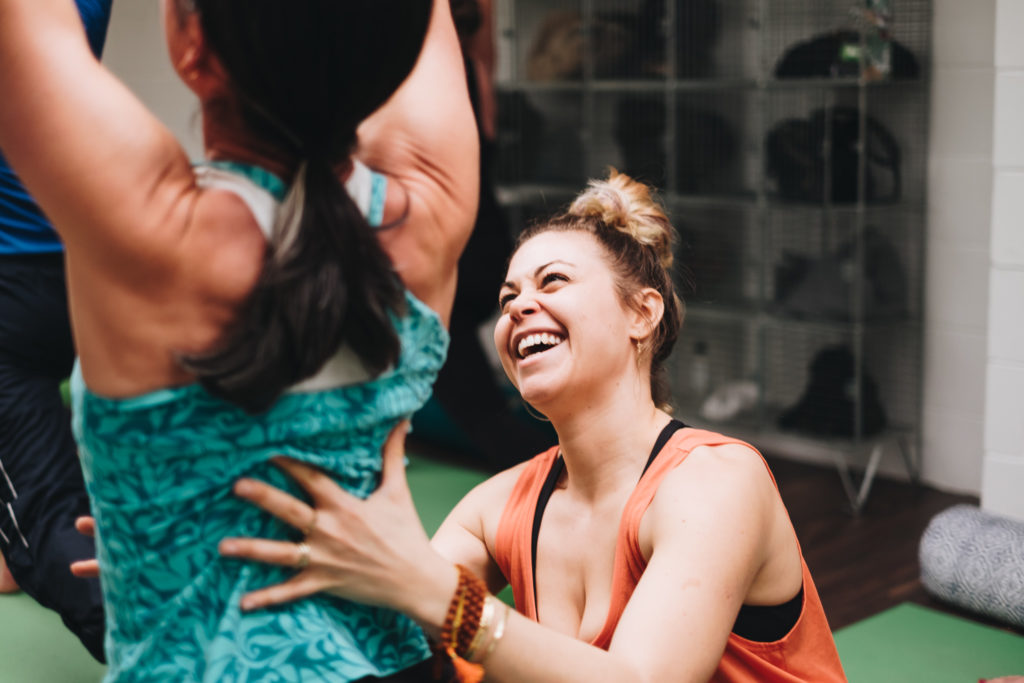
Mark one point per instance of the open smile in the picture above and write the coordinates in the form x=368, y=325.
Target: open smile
x=532, y=344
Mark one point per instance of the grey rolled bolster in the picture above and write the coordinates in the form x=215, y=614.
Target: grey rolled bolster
x=975, y=560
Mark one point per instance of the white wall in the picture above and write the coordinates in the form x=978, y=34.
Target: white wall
x=974, y=327
x=1003, y=475
x=958, y=243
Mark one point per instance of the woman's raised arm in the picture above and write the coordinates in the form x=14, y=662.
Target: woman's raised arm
x=77, y=136
x=425, y=138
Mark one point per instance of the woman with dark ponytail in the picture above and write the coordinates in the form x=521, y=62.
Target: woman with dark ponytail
x=288, y=295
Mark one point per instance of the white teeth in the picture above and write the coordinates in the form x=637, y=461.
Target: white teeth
x=532, y=340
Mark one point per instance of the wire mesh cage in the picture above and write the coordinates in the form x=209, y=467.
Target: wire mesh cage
x=834, y=38
x=718, y=256
x=789, y=140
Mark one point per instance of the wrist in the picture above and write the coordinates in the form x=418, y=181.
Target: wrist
x=429, y=600
x=475, y=620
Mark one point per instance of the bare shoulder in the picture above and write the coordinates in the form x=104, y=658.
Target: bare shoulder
x=480, y=510
x=722, y=466
x=487, y=500
x=468, y=534
x=223, y=230
x=718, y=485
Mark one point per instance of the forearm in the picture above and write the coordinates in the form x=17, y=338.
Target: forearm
x=529, y=651
x=526, y=650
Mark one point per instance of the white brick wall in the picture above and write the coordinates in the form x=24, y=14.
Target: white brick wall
x=1006, y=317
x=1008, y=147
x=960, y=182
x=1009, y=47
x=1003, y=477
x=1007, y=216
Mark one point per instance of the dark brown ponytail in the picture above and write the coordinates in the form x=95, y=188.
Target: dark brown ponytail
x=304, y=74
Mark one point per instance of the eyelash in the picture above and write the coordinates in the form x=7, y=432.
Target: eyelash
x=553, y=276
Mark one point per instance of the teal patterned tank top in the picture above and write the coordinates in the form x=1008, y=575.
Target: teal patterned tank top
x=159, y=470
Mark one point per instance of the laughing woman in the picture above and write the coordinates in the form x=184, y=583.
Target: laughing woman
x=638, y=549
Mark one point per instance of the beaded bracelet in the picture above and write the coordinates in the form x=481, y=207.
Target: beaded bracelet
x=465, y=612
x=483, y=632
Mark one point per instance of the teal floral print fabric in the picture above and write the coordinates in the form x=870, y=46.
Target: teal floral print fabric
x=159, y=470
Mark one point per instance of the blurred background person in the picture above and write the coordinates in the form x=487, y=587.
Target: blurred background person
x=41, y=487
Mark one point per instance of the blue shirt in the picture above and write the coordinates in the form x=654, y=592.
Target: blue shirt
x=23, y=227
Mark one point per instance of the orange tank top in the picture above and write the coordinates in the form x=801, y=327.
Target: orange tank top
x=806, y=653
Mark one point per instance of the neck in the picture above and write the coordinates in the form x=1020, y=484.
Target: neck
x=606, y=443
x=226, y=138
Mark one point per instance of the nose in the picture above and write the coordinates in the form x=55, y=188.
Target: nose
x=522, y=306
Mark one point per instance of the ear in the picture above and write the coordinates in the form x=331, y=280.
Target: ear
x=193, y=61
x=648, y=307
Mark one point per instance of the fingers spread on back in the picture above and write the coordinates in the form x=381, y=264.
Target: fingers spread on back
x=284, y=506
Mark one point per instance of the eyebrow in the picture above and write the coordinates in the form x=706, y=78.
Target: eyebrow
x=538, y=271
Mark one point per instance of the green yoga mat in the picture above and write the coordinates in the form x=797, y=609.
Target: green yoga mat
x=36, y=648
x=911, y=644
x=906, y=644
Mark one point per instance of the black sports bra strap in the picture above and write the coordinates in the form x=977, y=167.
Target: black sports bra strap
x=671, y=428
x=557, y=467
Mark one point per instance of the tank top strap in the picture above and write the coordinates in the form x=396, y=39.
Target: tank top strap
x=675, y=452
x=629, y=560
x=512, y=544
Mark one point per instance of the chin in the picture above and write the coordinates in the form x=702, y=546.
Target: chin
x=538, y=397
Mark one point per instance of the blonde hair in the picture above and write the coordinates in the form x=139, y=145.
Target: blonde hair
x=628, y=221
x=628, y=206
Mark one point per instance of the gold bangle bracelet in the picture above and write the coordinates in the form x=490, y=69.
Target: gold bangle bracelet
x=499, y=628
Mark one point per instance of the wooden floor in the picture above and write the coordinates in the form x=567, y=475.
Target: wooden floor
x=865, y=564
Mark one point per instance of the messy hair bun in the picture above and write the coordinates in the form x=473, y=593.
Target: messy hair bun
x=629, y=207
x=626, y=219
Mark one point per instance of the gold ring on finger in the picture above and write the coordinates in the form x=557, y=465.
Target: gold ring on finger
x=304, y=553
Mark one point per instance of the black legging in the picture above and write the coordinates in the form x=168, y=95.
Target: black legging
x=41, y=486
